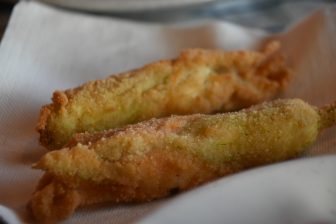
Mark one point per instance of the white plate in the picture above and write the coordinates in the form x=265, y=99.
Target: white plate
x=123, y=5
x=301, y=192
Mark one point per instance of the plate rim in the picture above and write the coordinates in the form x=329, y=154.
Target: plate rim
x=127, y=6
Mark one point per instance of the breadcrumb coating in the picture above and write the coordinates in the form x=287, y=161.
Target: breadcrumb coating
x=159, y=157
x=198, y=81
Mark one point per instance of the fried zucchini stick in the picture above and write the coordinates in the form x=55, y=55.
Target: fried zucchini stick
x=156, y=158
x=198, y=81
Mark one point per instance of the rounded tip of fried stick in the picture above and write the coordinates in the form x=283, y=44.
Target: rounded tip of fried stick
x=272, y=66
x=327, y=115
x=59, y=100
x=45, y=136
x=52, y=201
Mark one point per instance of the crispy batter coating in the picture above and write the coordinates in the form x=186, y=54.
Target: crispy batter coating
x=156, y=158
x=198, y=81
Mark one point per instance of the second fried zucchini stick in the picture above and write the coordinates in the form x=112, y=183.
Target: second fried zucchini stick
x=155, y=158
x=198, y=81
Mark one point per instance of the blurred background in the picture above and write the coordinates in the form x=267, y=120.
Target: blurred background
x=270, y=15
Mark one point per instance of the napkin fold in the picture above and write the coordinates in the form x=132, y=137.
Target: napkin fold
x=8, y=216
x=45, y=49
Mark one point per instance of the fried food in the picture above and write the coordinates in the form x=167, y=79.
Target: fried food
x=198, y=81
x=156, y=158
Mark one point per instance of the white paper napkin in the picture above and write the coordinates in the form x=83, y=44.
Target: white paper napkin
x=45, y=49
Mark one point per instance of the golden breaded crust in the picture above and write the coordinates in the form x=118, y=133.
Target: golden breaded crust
x=198, y=81
x=155, y=158
x=157, y=175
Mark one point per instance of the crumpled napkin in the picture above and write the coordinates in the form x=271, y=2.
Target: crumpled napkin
x=45, y=49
